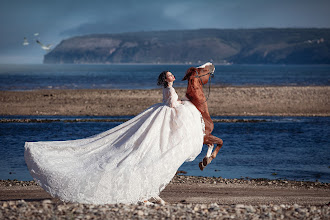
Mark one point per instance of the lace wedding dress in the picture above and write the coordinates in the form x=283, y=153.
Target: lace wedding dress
x=126, y=164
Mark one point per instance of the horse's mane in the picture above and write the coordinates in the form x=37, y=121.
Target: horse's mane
x=189, y=72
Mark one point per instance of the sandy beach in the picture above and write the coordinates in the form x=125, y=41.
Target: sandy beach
x=186, y=197
x=223, y=101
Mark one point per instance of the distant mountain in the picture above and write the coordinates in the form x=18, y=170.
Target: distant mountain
x=242, y=46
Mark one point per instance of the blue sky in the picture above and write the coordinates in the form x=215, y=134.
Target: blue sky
x=61, y=19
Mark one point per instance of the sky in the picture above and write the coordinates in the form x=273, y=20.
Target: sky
x=57, y=20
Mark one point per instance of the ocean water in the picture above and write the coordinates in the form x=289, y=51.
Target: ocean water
x=295, y=148
x=275, y=147
x=42, y=76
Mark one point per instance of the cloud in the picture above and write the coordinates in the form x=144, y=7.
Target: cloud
x=127, y=19
x=57, y=20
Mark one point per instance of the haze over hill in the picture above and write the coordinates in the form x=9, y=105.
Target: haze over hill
x=242, y=46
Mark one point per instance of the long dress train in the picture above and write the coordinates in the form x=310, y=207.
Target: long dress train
x=125, y=164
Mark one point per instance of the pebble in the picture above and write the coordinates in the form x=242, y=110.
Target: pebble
x=48, y=209
x=179, y=179
x=58, y=210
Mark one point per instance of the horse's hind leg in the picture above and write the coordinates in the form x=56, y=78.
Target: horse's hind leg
x=209, y=157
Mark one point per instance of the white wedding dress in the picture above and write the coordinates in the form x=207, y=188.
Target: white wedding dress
x=126, y=164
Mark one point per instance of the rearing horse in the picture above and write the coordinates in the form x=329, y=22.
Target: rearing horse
x=197, y=77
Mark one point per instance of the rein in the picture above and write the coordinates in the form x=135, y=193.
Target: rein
x=211, y=74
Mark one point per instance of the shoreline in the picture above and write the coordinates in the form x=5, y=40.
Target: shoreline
x=223, y=101
x=197, y=189
x=186, y=179
x=186, y=197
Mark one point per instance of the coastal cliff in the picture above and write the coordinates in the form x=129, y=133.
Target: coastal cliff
x=226, y=46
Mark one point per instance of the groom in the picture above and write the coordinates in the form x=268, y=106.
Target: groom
x=197, y=77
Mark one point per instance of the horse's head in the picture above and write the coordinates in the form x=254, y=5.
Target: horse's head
x=202, y=72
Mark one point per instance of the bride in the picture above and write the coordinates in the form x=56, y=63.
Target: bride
x=129, y=163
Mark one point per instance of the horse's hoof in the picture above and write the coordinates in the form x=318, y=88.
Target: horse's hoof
x=147, y=203
x=159, y=200
x=201, y=166
x=206, y=161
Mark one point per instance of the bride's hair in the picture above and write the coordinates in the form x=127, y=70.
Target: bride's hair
x=162, y=79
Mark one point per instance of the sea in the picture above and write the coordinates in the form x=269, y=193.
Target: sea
x=271, y=147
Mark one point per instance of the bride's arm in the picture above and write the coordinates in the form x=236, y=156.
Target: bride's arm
x=173, y=97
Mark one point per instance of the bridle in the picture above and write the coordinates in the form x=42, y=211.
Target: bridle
x=211, y=75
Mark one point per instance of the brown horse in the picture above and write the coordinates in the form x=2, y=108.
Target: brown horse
x=197, y=77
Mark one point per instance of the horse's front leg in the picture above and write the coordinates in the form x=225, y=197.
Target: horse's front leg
x=209, y=150
x=207, y=157
x=211, y=155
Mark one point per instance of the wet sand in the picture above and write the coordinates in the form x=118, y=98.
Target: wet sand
x=186, y=197
x=223, y=101
x=192, y=189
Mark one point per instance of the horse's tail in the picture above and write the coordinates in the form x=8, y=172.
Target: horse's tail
x=189, y=72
